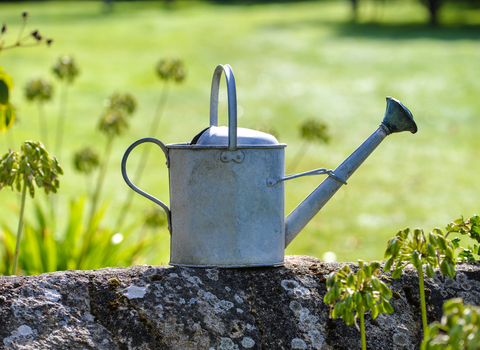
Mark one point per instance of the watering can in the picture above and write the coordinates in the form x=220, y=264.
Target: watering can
x=227, y=189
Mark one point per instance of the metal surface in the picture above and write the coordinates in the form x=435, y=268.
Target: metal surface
x=218, y=136
x=138, y=190
x=321, y=171
x=224, y=214
x=227, y=188
x=232, y=103
x=397, y=119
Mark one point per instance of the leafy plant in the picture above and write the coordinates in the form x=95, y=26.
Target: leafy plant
x=471, y=228
x=32, y=39
x=361, y=292
x=48, y=250
x=412, y=247
x=7, y=111
x=66, y=70
x=86, y=160
x=168, y=70
x=33, y=166
x=113, y=122
x=40, y=90
x=459, y=328
x=311, y=131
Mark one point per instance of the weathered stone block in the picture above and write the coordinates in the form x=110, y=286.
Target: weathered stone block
x=148, y=307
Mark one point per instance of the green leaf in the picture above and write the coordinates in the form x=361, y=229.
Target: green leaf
x=337, y=310
x=416, y=260
x=380, y=308
x=397, y=273
x=456, y=242
x=374, y=312
x=429, y=270
x=442, y=243
x=432, y=239
x=375, y=283
x=385, y=291
x=331, y=279
x=387, y=307
x=451, y=269
x=327, y=299
x=449, y=253
x=7, y=117
x=349, y=318
x=350, y=280
x=388, y=264
x=444, y=267
x=4, y=92
x=368, y=301
x=357, y=298
x=368, y=270
x=430, y=249
x=348, y=302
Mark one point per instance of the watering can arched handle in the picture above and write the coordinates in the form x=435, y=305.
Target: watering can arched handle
x=138, y=190
x=232, y=103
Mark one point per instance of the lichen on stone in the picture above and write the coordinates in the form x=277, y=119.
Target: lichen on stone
x=133, y=292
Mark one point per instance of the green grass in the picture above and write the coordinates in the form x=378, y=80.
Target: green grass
x=292, y=61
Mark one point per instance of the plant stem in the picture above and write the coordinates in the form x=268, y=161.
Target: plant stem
x=43, y=125
x=89, y=232
x=19, y=230
x=422, y=300
x=144, y=156
x=61, y=119
x=362, y=329
x=101, y=178
x=298, y=157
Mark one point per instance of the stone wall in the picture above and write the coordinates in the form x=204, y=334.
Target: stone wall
x=148, y=307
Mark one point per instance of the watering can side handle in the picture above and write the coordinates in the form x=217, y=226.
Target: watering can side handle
x=322, y=171
x=138, y=190
x=232, y=103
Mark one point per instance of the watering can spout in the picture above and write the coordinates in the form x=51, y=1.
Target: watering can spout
x=397, y=119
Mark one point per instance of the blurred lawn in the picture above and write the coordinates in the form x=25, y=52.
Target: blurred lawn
x=292, y=61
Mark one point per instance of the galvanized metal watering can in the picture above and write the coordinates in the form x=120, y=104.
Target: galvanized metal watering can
x=227, y=188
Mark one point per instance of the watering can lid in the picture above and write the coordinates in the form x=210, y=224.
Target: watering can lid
x=218, y=136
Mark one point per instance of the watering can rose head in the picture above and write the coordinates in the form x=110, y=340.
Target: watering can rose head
x=227, y=188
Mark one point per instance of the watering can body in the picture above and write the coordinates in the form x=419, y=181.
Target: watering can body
x=223, y=213
x=227, y=188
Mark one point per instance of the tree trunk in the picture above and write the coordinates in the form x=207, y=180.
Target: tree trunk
x=433, y=7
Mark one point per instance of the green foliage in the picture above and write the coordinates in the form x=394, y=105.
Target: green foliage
x=114, y=119
x=22, y=171
x=65, y=68
x=39, y=89
x=7, y=112
x=45, y=249
x=412, y=247
x=314, y=130
x=471, y=228
x=33, y=166
x=171, y=69
x=155, y=218
x=86, y=160
x=360, y=293
x=459, y=328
